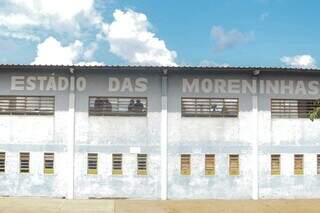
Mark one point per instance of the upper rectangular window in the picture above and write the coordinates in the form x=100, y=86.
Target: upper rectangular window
x=48, y=163
x=209, y=107
x=118, y=106
x=27, y=105
x=24, y=162
x=2, y=162
x=292, y=108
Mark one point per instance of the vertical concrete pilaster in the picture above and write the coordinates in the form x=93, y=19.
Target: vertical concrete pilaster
x=255, y=143
x=71, y=137
x=164, y=135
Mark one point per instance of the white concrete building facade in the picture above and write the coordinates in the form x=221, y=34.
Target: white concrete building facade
x=159, y=132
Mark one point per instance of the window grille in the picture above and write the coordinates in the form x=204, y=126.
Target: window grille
x=209, y=107
x=117, y=164
x=2, y=162
x=209, y=164
x=292, y=108
x=185, y=166
x=142, y=164
x=275, y=165
x=27, y=105
x=318, y=164
x=118, y=106
x=48, y=163
x=92, y=163
x=234, y=165
x=298, y=164
x=24, y=162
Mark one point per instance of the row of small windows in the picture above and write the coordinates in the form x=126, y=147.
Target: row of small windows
x=210, y=164
x=185, y=164
x=92, y=163
x=142, y=159
x=298, y=164
x=138, y=106
x=24, y=164
x=92, y=167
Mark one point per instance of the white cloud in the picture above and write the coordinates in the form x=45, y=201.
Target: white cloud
x=16, y=20
x=228, y=39
x=52, y=51
x=207, y=63
x=130, y=39
x=20, y=35
x=58, y=15
x=299, y=61
x=65, y=10
x=263, y=16
x=90, y=63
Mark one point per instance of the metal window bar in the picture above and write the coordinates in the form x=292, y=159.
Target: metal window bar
x=92, y=164
x=142, y=164
x=209, y=107
x=298, y=164
x=24, y=162
x=118, y=106
x=234, y=165
x=2, y=162
x=292, y=108
x=275, y=164
x=209, y=164
x=27, y=105
x=48, y=163
x=185, y=164
x=117, y=164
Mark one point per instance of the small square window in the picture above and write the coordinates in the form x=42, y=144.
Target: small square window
x=185, y=166
x=275, y=164
x=142, y=164
x=2, y=162
x=24, y=162
x=209, y=164
x=92, y=163
x=117, y=164
x=298, y=164
x=48, y=163
x=234, y=165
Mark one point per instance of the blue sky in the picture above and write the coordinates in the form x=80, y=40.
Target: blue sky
x=166, y=32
